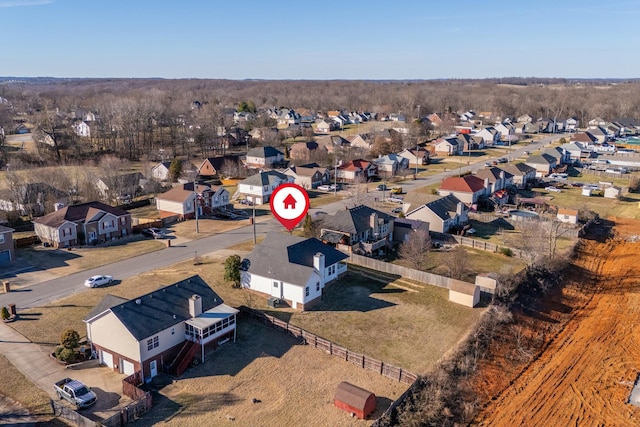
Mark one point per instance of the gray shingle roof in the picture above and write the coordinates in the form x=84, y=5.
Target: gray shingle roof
x=264, y=152
x=289, y=258
x=354, y=220
x=442, y=207
x=265, y=178
x=75, y=213
x=162, y=308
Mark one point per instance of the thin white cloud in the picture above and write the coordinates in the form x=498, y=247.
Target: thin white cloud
x=19, y=3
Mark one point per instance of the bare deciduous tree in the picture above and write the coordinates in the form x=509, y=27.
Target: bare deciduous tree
x=415, y=251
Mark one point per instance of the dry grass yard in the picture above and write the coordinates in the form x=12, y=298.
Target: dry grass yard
x=295, y=383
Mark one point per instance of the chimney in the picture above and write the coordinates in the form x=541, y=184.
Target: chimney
x=318, y=263
x=486, y=183
x=373, y=222
x=195, y=305
x=459, y=209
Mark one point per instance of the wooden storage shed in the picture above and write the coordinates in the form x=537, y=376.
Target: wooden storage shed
x=464, y=293
x=354, y=399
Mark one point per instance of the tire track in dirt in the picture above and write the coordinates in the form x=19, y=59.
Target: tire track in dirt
x=584, y=375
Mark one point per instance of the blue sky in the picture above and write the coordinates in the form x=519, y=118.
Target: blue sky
x=263, y=39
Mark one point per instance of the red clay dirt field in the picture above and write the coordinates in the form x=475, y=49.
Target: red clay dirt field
x=591, y=357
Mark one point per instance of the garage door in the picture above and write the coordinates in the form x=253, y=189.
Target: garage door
x=107, y=359
x=5, y=256
x=127, y=367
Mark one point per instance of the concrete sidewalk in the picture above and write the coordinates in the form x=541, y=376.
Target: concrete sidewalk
x=35, y=363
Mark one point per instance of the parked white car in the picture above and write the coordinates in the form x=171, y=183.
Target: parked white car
x=96, y=281
x=327, y=187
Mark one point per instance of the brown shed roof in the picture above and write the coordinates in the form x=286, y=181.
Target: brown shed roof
x=352, y=395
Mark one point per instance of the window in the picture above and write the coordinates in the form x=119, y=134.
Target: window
x=317, y=286
x=1, y=239
x=306, y=291
x=153, y=343
x=275, y=284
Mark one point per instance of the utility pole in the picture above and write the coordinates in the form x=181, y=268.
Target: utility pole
x=417, y=140
x=253, y=221
x=335, y=178
x=195, y=203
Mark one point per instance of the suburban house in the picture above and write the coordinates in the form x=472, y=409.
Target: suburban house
x=292, y=269
x=499, y=181
x=599, y=134
x=257, y=188
x=361, y=230
x=358, y=170
x=585, y=138
x=31, y=199
x=442, y=214
x=81, y=129
x=543, y=164
x=468, y=189
x=569, y=216
x=405, y=227
x=358, y=141
x=115, y=186
x=86, y=223
x=576, y=151
x=307, y=151
x=227, y=165
x=161, y=331
x=415, y=157
x=490, y=135
x=391, y=165
x=264, y=157
x=507, y=131
x=525, y=118
x=7, y=250
x=449, y=146
x=308, y=176
x=326, y=126
x=161, y=171
x=522, y=173
x=181, y=200
x=571, y=124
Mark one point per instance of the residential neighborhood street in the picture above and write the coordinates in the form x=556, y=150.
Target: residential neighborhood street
x=43, y=293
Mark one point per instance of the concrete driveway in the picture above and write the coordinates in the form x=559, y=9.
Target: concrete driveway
x=34, y=362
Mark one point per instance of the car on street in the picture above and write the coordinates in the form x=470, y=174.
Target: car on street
x=396, y=199
x=156, y=233
x=553, y=189
x=382, y=187
x=331, y=187
x=396, y=210
x=97, y=281
x=502, y=160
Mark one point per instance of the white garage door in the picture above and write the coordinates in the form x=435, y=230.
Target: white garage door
x=127, y=367
x=107, y=359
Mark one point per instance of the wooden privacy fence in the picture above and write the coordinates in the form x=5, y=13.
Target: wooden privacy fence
x=357, y=359
x=487, y=246
x=409, y=273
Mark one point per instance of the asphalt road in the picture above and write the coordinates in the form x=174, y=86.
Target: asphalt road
x=43, y=293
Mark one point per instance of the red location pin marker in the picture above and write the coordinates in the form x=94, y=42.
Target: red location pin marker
x=289, y=204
